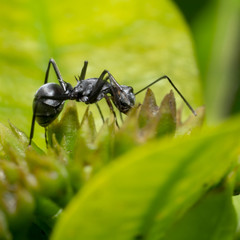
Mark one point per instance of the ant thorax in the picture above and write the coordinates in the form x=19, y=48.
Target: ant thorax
x=85, y=90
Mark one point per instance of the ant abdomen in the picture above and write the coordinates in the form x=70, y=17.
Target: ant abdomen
x=47, y=109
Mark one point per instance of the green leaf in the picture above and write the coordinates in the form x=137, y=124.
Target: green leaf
x=157, y=121
x=149, y=109
x=18, y=207
x=145, y=122
x=137, y=41
x=46, y=213
x=146, y=191
x=192, y=123
x=9, y=141
x=236, y=203
x=65, y=131
x=212, y=217
x=52, y=177
x=4, y=231
x=167, y=115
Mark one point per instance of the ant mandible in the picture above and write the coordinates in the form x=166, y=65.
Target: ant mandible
x=50, y=97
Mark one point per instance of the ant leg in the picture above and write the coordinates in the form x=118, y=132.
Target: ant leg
x=46, y=136
x=32, y=126
x=115, y=87
x=32, y=130
x=84, y=70
x=59, y=77
x=98, y=87
x=112, y=79
x=99, y=110
x=169, y=80
x=100, y=83
x=111, y=109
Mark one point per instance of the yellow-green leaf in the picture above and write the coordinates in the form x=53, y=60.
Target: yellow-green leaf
x=137, y=41
x=144, y=192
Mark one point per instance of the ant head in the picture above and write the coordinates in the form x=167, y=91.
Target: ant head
x=124, y=98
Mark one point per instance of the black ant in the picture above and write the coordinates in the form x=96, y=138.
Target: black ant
x=50, y=97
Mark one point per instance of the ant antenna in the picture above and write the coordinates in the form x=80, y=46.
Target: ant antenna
x=166, y=77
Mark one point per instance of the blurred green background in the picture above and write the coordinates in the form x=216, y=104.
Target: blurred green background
x=215, y=26
x=196, y=44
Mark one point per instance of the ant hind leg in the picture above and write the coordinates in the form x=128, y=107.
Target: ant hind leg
x=57, y=72
x=46, y=136
x=32, y=125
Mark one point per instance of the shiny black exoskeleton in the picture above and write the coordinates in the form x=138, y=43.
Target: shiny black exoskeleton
x=45, y=108
x=50, y=97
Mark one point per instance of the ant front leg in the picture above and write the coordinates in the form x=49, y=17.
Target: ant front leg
x=46, y=136
x=111, y=109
